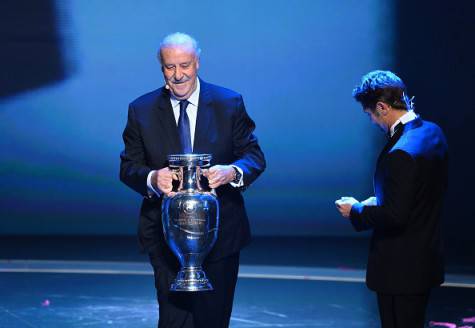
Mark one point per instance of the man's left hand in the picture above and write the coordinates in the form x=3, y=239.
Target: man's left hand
x=344, y=205
x=219, y=175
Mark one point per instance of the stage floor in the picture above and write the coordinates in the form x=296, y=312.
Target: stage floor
x=44, y=292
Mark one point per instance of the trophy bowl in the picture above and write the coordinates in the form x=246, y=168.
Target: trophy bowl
x=190, y=218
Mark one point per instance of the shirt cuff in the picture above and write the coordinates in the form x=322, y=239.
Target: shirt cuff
x=150, y=190
x=241, y=181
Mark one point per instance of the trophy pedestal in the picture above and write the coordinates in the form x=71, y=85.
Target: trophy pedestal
x=191, y=280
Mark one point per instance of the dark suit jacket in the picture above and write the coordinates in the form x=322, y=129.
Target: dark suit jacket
x=223, y=129
x=410, y=182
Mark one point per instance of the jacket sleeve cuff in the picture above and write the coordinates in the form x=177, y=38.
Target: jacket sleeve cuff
x=355, y=217
x=241, y=181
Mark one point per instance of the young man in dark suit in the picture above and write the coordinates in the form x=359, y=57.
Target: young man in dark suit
x=405, y=256
x=188, y=115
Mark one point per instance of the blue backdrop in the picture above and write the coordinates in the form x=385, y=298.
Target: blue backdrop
x=294, y=62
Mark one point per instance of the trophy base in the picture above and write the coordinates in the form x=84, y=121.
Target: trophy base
x=191, y=280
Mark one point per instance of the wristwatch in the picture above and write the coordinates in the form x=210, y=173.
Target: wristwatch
x=237, y=175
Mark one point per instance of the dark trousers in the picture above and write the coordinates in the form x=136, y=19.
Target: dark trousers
x=402, y=311
x=209, y=309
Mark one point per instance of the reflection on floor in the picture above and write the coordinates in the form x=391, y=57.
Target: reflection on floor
x=62, y=282
x=77, y=294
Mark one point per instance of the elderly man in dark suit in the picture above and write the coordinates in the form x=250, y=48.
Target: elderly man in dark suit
x=189, y=115
x=410, y=181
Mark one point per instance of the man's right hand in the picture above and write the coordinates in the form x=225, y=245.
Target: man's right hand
x=162, y=180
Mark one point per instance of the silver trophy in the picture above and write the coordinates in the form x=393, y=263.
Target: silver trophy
x=190, y=220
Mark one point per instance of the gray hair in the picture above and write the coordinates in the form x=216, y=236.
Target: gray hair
x=179, y=39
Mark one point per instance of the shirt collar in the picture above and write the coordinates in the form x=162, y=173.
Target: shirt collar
x=406, y=118
x=193, y=99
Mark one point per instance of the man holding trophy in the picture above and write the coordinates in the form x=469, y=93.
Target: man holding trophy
x=189, y=117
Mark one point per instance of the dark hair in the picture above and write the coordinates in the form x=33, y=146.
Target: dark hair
x=384, y=86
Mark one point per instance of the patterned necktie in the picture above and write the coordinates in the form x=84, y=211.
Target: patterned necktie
x=184, y=128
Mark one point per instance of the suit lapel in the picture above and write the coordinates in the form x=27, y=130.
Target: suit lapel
x=391, y=142
x=377, y=180
x=203, y=119
x=167, y=121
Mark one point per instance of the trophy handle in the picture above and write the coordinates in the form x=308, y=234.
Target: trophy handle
x=204, y=187
x=177, y=184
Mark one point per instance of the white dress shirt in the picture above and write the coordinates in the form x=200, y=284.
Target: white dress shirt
x=406, y=118
x=192, y=111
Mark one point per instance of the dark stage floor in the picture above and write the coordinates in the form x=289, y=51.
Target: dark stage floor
x=284, y=282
